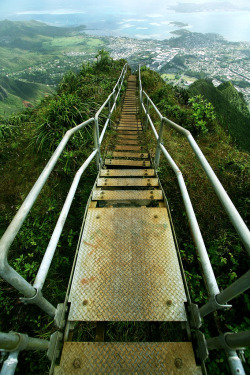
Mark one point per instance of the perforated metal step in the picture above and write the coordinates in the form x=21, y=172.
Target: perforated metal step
x=140, y=155
x=127, y=182
x=132, y=195
x=127, y=268
x=127, y=172
x=132, y=163
x=127, y=358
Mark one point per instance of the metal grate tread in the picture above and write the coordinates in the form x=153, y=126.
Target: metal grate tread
x=127, y=268
x=119, y=154
x=127, y=182
x=131, y=195
x=127, y=358
x=127, y=172
x=132, y=163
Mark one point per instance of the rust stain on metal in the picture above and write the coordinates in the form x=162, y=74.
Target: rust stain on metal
x=90, y=244
x=87, y=281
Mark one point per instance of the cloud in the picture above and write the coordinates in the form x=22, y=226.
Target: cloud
x=134, y=20
x=142, y=28
x=156, y=15
x=127, y=25
x=154, y=23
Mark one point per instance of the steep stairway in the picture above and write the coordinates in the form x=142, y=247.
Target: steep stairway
x=127, y=267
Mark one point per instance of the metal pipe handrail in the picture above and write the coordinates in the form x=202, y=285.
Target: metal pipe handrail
x=211, y=282
x=50, y=251
x=33, y=294
x=228, y=205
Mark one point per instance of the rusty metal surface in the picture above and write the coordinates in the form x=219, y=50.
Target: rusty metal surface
x=127, y=172
x=127, y=268
x=127, y=358
x=132, y=163
x=137, y=155
x=129, y=148
x=132, y=195
x=127, y=181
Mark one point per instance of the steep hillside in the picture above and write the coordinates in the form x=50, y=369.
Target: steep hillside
x=230, y=108
x=15, y=95
x=27, y=34
x=234, y=97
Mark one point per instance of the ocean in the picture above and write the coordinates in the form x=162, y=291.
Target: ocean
x=233, y=26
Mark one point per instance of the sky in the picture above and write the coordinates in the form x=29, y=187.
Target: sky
x=11, y=7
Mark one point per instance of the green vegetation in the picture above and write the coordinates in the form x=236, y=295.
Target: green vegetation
x=27, y=141
x=15, y=95
x=229, y=259
x=230, y=107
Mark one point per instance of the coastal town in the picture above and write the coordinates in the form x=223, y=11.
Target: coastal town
x=186, y=58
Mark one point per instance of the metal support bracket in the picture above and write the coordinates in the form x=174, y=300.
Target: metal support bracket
x=55, y=345
x=195, y=317
x=33, y=300
x=59, y=315
x=202, y=349
x=212, y=306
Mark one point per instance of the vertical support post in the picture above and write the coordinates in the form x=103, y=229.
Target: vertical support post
x=147, y=112
x=97, y=144
x=234, y=362
x=158, y=148
x=114, y=100
x=10, y=364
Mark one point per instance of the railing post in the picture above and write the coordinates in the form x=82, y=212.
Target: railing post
x=147, y=112
x=114, y=100
x=97, y=144
x=158, y=148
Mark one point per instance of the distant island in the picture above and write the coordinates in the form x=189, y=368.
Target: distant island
x=178, y=24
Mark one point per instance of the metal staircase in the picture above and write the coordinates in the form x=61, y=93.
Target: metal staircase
x=127, y=265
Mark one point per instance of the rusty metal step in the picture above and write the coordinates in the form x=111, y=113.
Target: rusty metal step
x=102, y=182
x=126, y=195
x=127, y=136
x=132, y=163
x=127, y=172
x=128, y=148
x=127, y=358
x=130, y=128
x=126, y=154
x=127, y=132
x=120, y=154
x=127, y=267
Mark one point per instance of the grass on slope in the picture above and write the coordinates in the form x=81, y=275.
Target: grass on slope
x=20, y=94
x=228, y=113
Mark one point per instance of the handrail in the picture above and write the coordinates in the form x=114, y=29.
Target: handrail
x=217, y=299
x=240, y=285
x=205, y=262
x=33, y=293
x=228, y=205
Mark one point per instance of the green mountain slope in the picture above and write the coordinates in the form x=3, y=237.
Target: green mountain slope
x=234, y=97
x=15, y=95
x=230, y=108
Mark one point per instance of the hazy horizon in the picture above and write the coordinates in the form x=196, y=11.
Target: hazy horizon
x=154, y=19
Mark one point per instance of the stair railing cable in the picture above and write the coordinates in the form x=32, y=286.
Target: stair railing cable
x=33, y=293
x=217, y=300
